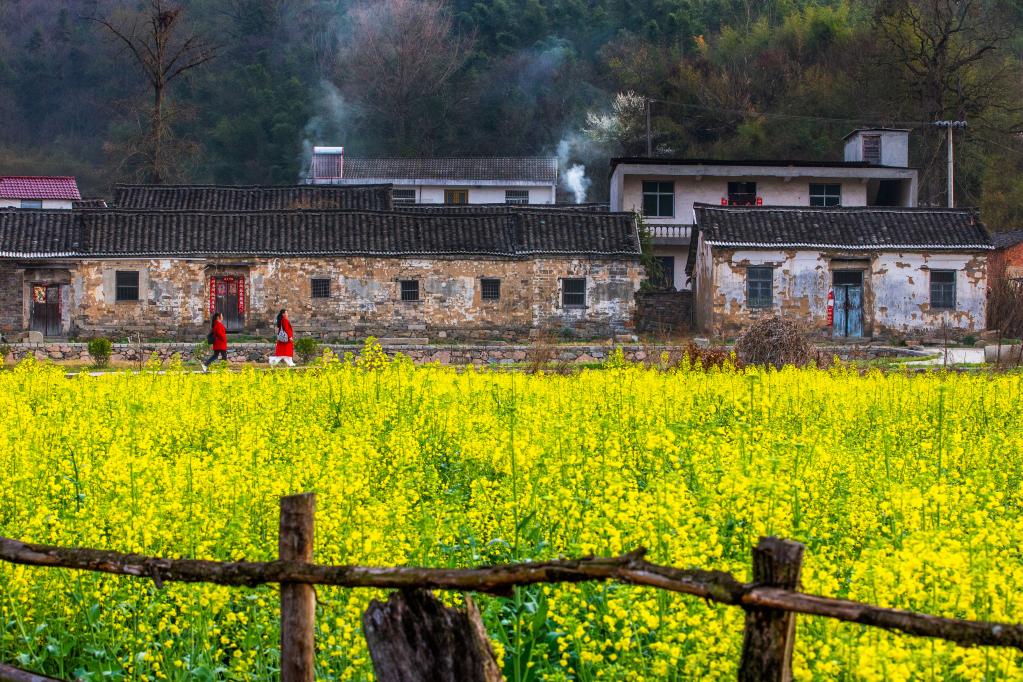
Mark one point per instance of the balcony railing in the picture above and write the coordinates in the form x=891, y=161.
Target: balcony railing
x=674, y=232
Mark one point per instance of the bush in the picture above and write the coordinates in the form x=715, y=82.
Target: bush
x=307, y=349
x=100, y=351
x=773, y=341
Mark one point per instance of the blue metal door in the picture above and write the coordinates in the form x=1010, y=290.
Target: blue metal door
x=848, y=311
x=838, y=327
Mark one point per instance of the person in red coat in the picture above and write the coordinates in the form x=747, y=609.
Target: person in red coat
x=218, y=332
x=284, y=351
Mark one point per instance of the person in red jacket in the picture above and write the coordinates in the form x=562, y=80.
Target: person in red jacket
x=218, y=332
x=284, y=351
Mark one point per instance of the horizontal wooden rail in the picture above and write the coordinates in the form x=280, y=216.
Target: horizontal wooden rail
x=629, y=568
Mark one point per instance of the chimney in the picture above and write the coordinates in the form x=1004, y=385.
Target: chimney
x=328, y=164
x=878, y=146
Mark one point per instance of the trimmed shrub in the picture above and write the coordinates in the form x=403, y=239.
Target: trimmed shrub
x=100, y=351
x=307, y=349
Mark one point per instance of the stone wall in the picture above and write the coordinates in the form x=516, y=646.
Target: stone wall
x=447, y=354
x=364, y=297
x=663, y=312
x=11, y=318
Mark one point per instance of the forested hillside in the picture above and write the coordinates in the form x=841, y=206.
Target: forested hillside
x=83, y=92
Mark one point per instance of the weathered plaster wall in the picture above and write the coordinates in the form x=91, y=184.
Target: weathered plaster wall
x=364, y=296
x=896, y=289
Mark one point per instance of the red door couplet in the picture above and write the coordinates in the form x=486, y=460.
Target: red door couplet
x=227, y=296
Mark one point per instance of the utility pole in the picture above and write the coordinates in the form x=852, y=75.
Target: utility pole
x=950, y=125
x=649, y=145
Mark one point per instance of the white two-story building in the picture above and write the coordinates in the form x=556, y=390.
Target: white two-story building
x=874, y=172
x=484, y=180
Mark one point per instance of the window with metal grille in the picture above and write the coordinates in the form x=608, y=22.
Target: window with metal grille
x=516, y=196
x=759, y=287
x=321, y=287
x=825, y=195
x=659, y=199
x=872, y=148
x=943, y=289
x=490, y=289
x=742, y=194
x=573, y=292
x=403, y=196
x=410, y=289
x=126, y=285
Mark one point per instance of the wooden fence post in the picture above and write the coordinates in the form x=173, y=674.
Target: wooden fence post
x=298, y=600
x=770, y=633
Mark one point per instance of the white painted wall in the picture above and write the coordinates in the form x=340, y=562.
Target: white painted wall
x=47, y=203
x=775, y=191
x=894, y=146
x=494, y=194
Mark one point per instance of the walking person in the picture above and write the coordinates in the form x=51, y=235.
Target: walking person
x=284, y=351
x=218, y=339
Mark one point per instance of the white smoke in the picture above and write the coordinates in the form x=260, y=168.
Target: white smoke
x=327, y=126
x=573, y=179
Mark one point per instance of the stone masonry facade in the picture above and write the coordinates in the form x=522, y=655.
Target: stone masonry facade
x=363, y=296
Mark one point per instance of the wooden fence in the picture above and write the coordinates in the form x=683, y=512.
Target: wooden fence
x=413, y=637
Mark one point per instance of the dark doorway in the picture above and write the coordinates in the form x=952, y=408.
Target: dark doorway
x=228, y=297
x=45, y=313
x=848, y=286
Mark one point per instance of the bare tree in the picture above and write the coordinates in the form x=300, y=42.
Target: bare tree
x=153, y=40
x=948, y=54
x=396, y=56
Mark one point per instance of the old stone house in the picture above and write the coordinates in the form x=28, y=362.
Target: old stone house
x=341, y=274
x=880, y=271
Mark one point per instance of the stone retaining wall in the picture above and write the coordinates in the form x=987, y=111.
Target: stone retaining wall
x=461, y=354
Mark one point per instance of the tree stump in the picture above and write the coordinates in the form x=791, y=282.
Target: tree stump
x=415, y=638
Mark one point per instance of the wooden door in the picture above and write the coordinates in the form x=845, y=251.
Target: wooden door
x=228, y=297
x=45, y=313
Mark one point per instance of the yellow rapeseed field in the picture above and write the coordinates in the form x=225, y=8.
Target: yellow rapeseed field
x=905, y=490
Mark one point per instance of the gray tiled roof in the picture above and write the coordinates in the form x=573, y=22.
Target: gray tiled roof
x=30, y=233
x=253, y=197
x=117, y=232
x=1003, y=240
x=540, y=170
x=871, y=228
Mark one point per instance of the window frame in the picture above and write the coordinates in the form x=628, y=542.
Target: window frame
x=521, y=197
x=493, y=282
x=750, y=184
x=451, y=193
x=318, y=293
x=667, y=271
x=31, y=203
x=756, y=299
x=822, y=195
x=409, y=291
x=656, y=189
x=409, y=198
x=944, y=289
x=119, y=287
x=565, y=293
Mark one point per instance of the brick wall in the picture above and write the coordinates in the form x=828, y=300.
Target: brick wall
x=664, y=312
